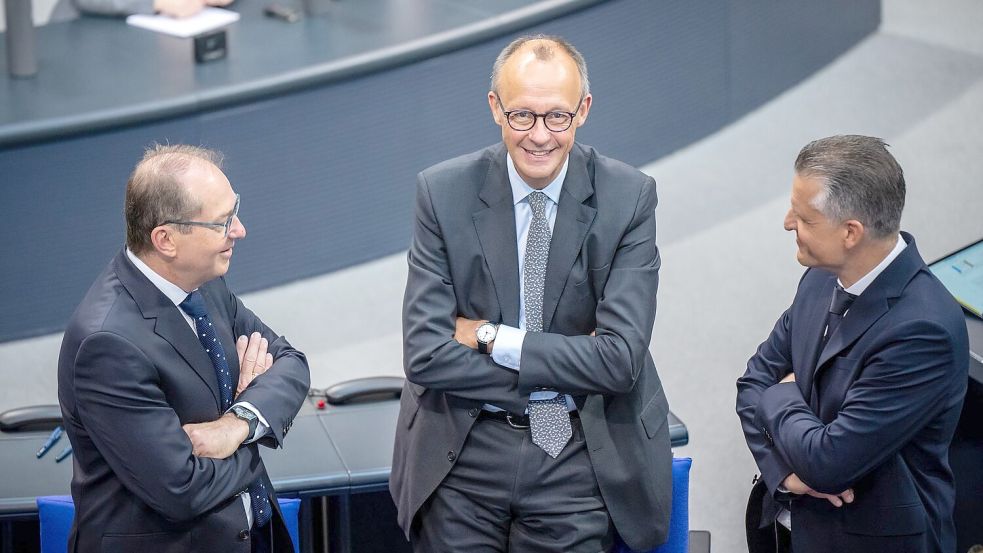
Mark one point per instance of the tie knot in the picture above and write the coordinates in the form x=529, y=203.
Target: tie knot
x=841, y=300
x=194, y=305
x=537, y=201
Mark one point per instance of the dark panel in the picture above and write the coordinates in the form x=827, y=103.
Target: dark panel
x=327, y=172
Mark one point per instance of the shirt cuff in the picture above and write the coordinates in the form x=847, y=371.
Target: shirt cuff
x=507, y=350
x=262, y=427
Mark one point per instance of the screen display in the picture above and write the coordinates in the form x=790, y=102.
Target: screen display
x=962, y=274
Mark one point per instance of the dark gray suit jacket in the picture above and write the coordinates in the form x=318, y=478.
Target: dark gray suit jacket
x=873, y=410
x=131, y=372
x=602, y=273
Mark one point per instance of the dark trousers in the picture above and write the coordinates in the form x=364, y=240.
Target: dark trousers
x=505, y=494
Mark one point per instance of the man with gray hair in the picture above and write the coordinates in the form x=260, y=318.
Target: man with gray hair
x=164, y=407
x=850, y=404
x=533, y=419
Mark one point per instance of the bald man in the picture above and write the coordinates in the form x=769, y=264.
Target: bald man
x=533, y=418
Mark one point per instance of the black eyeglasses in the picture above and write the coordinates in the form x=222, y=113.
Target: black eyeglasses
x=523, y=119
x=225, y=226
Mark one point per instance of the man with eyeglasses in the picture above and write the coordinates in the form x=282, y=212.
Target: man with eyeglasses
x=533, y=418
x=164, y=407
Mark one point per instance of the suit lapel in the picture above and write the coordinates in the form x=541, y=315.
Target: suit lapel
x=495, y=225
x=170, y=324
x=814, y=318
x=875, y=301
x=573, y=220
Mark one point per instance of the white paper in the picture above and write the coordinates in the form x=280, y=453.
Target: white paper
x=206, y=20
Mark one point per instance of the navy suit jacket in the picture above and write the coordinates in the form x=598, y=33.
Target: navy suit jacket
x=130, y=374
x=874, y=411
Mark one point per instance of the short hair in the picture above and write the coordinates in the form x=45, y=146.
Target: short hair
x=543, y=52
x=155, y=193
x=861, y=180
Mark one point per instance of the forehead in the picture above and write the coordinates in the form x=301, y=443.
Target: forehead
x=804, y=191
x=209, y=185
x=526, y=74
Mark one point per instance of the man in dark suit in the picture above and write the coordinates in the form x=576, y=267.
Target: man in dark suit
x=533, y=418
x=850, y=404
x=163, y=406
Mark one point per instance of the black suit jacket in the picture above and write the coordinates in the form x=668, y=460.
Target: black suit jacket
x=602, y=273
x=875, y=413
x=130, y=373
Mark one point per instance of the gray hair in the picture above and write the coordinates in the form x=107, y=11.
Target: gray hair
x=543, y=52
x=861, y=180
x=155, y=193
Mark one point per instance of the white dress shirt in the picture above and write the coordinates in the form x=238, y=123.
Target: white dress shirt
x=507, y=351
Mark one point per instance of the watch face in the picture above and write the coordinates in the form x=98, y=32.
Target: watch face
x=486, y=333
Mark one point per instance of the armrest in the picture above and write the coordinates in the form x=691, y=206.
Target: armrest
x=33, y=417
x=373, y=388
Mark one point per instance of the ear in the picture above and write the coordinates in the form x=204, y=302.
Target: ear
x=584, y=110
x=854, y=233
x=496, y=111
x=162, y=238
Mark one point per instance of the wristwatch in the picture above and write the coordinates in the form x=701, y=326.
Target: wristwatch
x=251, y=419
x=485, y=334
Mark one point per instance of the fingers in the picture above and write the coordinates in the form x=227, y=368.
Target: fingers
x=254, y=360
x=847, y=496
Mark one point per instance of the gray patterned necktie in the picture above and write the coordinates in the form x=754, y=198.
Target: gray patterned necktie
x=549, y=420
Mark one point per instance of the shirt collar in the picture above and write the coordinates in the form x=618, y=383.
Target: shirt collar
x=168, y=288
x=520, y=189
x=865, y=281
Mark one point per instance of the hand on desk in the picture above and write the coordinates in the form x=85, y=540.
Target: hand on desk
x=217, y=439
x=795, y=485
x=253, y=359
x=178, y=8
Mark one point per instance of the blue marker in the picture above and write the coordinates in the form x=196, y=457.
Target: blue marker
x=64, y=453
x=957, y=269
x=54, y=437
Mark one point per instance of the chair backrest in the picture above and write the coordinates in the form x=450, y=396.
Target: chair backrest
x=678, y=540
x=56, y=512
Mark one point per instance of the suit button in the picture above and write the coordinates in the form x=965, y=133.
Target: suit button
x=243, y=535
x=451, y=456
x=473, y=412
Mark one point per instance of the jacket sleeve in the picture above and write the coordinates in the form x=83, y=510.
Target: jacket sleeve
x=431, y=356
x=122, y=405
x=609, y=362
x=279, y=393
x=902, y=386
x=770, y=363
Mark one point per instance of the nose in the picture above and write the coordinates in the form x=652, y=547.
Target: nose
x=789, y=222
x=539, y=133
x=237, y=230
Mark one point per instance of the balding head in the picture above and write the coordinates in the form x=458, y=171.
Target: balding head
x=544, y=48
x=156, y=192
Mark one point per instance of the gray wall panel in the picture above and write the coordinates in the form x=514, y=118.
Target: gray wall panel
x=327, y=173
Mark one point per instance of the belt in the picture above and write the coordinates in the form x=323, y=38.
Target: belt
x=515, y=421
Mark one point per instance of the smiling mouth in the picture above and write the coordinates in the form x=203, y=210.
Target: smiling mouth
x=539, y=153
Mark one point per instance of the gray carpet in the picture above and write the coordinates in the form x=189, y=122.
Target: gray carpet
x=728, y=267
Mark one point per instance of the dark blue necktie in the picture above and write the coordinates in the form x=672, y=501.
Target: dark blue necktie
x=841, y=302
x=194, y=306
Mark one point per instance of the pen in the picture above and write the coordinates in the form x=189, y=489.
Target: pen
x=64, y=453
x=55, y=435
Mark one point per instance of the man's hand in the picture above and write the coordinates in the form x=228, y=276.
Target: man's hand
x=790, y=377
x=178, y=8
x=218, y=3
x=465, y=332
x=253, y=359
x=217, y=439
x=795, y=485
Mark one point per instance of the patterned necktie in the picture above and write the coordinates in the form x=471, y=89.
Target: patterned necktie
x=549, y=420
x=842, y=300
x=194, y=306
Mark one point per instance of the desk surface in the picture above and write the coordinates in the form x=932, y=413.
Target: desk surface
x=97, y=72
x=331, y=452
